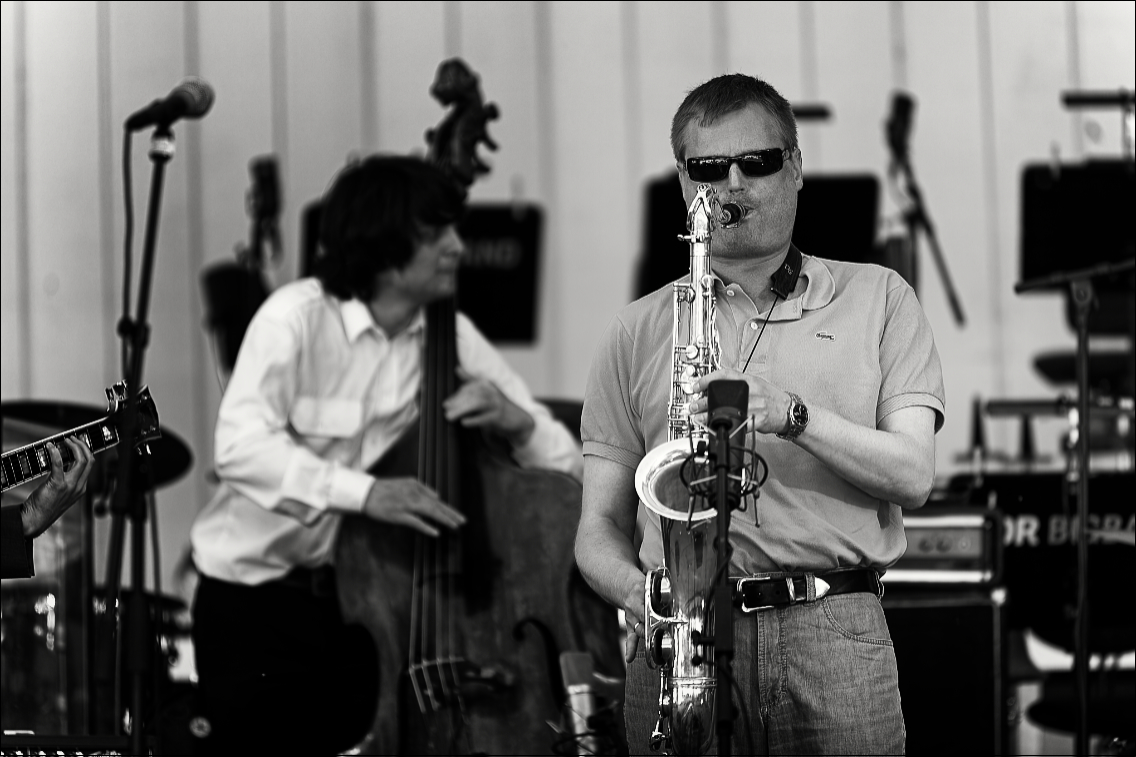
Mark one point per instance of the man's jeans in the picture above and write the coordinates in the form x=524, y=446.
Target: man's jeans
x=816, y=678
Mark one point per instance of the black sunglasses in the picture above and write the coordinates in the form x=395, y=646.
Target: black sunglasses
x=754, y=164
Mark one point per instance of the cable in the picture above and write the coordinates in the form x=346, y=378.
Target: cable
x=776, y=297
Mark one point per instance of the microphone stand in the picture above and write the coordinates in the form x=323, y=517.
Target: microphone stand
x=1081, y=290
x=916, y=217
x=129, y=500
x=723, y=596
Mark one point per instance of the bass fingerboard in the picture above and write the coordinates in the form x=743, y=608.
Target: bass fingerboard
x=32, y=461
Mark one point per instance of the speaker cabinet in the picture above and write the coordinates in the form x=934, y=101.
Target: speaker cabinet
x=949, y=649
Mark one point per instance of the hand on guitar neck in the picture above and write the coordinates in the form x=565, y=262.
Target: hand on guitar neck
x=62, y=489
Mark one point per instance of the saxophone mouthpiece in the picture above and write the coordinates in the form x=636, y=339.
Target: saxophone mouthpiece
x=732, y=214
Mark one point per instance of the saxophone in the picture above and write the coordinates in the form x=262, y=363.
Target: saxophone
x=678, y=596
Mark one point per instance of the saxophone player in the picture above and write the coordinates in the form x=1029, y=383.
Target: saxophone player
x=845, y=395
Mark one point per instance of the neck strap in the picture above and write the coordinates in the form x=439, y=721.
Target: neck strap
x=784, y=281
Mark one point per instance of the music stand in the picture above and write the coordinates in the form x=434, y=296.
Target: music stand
x=1081, y=291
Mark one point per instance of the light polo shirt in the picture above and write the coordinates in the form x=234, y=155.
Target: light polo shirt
x=318, y=394
x=852, y=339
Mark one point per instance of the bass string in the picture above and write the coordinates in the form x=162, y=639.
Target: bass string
x=434, y=620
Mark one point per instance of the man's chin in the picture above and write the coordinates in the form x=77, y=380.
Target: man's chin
x=444, y=289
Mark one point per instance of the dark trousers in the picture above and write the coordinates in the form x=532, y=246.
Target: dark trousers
x=279, y=671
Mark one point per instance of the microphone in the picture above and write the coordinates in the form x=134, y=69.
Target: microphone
x=727, y=413
x=190, y=99
x=727, y=403
x=577, y=672
x=899, y=125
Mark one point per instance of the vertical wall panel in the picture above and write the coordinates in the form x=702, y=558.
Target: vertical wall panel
x=499, y=44
x=764, y=40
x=593, y=233
x=947, y=156
x=408, y=49
x=675, y=56
x=13, y=262
x=1028, y=74
x=854, y=71
x=63, y=209
x=324, y=118
x=235, y=59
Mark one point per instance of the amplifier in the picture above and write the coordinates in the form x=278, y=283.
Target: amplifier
x=950, y=546
x=949, y=650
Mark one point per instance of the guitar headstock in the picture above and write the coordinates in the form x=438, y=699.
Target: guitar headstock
x=147, y=428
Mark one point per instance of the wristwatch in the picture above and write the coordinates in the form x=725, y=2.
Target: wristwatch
x=798, y=418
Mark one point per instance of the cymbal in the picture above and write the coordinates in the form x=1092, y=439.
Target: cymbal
x=170, y=456
x=51, y=414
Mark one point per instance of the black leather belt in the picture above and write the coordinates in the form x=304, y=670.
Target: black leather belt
x=318, y=582
x=763, y=593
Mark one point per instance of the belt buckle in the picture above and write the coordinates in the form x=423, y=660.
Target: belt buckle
x=792, y=592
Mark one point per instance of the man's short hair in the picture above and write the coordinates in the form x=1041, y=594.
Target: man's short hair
x=373, y=218
x=727, y=94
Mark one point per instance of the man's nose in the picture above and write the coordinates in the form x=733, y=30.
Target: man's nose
x=455, y=244
x=735, y=180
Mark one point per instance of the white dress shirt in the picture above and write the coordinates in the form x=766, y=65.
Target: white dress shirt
x=318, y=394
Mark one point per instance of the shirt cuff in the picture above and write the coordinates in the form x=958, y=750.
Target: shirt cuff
x=349, y=489
x=544, y=445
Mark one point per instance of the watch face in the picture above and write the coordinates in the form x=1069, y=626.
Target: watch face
x=800, y=415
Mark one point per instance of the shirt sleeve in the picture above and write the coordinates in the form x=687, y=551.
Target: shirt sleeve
x=257, y=450
x=610, y=427
x=551, y=445
x=911, y=374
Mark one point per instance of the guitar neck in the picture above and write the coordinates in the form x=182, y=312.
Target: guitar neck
x=25, y=463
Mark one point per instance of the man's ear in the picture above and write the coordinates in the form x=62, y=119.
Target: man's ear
x=797, y=162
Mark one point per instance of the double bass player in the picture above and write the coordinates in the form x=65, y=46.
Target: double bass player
x=326, y=382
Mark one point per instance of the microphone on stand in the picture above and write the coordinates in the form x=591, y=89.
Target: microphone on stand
x=576, y=668
x=727, y=409
x=727, y=405
x=191, y=99
x=899, y=127
x=727, y=402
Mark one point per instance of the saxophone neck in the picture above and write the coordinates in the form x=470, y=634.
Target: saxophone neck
x=707, y=214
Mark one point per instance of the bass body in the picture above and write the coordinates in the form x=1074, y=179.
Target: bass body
x=469, y=626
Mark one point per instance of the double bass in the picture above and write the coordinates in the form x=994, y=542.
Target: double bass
x=469, y=626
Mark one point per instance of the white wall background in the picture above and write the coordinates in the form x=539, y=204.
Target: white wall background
x=586, y=91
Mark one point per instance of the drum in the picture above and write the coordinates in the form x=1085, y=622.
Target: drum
x=34, y=647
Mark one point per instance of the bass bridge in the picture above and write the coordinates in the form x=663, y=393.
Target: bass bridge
x=442, y=683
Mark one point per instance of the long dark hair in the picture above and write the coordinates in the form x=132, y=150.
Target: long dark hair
x=373, y=217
